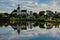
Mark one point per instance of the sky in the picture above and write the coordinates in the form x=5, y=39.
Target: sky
x=31, y=5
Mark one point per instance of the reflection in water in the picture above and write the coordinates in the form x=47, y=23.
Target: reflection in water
x=57, y=25
x=25, y=25
x=41, y=25
x=49, y=26
x=34, y=30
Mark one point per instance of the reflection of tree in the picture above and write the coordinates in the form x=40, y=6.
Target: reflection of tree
x=57, y=25
x=41, y=25
x=4, y=23
x=49, y=25
x=35, y=24
x=22, y=23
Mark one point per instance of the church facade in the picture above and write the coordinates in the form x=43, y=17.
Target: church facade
x=18, y=11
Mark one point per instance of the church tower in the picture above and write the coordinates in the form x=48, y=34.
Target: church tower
x=18, y=8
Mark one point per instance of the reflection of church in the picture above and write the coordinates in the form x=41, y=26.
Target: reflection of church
x=19, y=28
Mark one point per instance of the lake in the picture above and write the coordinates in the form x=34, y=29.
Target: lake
x=30, y=31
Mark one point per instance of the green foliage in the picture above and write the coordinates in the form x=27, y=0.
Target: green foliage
x=36, y=15
x=41, y=13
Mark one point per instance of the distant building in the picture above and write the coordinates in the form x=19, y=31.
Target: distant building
x=24, y=12
x=19, y=11
x=31, y=14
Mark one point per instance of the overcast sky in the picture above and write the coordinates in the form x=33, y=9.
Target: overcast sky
x=34, y=5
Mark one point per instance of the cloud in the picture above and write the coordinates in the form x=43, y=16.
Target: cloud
x=34, y=5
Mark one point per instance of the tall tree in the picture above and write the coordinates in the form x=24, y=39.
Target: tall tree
x=49, y=12
x=41, y=13
x=35, y=15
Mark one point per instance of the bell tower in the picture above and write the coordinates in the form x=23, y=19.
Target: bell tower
x=18, y=8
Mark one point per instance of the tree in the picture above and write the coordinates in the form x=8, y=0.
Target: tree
x=13, y=15
x=35, y=15
x=49, y=12
x=41, y=13
x=57, y=15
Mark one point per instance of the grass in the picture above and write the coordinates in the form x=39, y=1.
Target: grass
x=37, y=19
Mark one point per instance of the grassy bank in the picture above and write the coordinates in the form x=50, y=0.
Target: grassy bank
x=38, y=20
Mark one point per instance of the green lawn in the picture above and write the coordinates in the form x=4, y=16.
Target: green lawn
x=37, y=19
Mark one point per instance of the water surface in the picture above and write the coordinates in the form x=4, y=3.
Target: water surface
x=30, y=31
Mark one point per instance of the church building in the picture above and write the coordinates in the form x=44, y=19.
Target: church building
x=23, y=12
x=19, y=11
